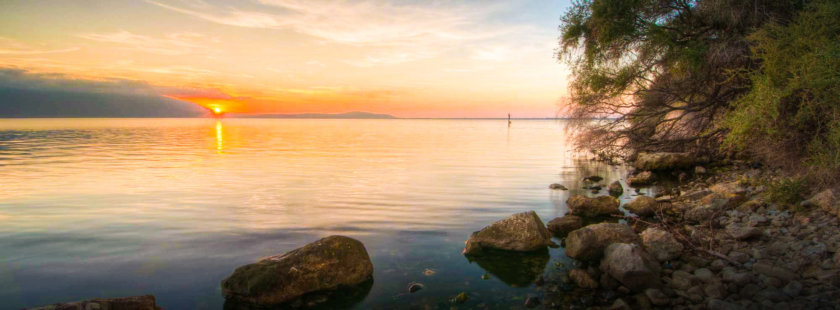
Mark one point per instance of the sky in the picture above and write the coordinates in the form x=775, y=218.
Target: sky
x=404, y=58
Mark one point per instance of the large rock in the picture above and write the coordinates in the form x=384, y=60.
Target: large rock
x=524, y=232
x=327, y=264
x=661, y=244
x=826, y=201
x=589, y=242
x=642, y=206
x=582, y=279
x=145, y=302
x=589, y=207
x=641, y=179
x=664, y=161
x=561, y=226
x=711, y=205
x=631, y=265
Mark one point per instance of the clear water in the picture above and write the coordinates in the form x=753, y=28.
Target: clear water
x=121, y=207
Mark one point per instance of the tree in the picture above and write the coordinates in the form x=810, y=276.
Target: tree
x=664, y=71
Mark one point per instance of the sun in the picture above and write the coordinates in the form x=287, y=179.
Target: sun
x=217, y=110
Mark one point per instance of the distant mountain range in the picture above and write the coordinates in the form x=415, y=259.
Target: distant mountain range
x=356, y=114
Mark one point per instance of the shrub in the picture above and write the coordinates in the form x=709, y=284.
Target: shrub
x=791, y=115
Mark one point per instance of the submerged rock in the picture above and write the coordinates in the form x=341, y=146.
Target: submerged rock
x=616, y=189
x=589, y=207
x=557, y=186
x=661, y=244
x=593, y=178
x=664, y=161
x=145, y=302
x=517, y=269
x=642, y=206
x=561, y=226
x=643, y=178
x=589, y=242
x=631, y=265
x=582, y=279
x=327, y=264
x=522, y=232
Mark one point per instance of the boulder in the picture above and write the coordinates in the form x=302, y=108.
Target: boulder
x=826, y=201
x=631, y=265
x=524, y=232
x=593, y=178
x=145, y=302
x=661, y=244
x=561, y=226
x=589, y=242
x=709, y=206
x=328, y=264
x=642, y=206
x=589, y=207
x=664, y=161
x=582, y=279
x=616, y=189
x=641, y=179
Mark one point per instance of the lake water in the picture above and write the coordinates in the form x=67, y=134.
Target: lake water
x=121, y=207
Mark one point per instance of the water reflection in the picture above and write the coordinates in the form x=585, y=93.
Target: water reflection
x=151, y=200
x=513, y=268
x=342, y=298
x=219, y=138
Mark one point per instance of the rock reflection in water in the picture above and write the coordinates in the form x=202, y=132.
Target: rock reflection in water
x=513, y=268
x=342, y=298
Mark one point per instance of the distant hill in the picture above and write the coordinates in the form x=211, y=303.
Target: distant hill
x=347, y=115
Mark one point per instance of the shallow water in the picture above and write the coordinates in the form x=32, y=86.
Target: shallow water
x=120, y=207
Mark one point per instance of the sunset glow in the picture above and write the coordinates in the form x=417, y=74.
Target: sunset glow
x=408, y=59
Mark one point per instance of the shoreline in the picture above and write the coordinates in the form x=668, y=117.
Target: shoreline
x=740, y=250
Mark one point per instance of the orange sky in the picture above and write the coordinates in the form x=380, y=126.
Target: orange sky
x=408, y=59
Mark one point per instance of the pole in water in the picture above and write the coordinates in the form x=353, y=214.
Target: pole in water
x=508, y=119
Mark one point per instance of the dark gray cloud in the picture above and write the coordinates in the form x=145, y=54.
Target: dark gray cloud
x=26, y=94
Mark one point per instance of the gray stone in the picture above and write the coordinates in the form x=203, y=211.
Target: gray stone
x=619, y=304
x=826, y=201
x=643, y=178
x=740, y=232
x=582, y=279
x=664, y=161
x=661, y=244
x=558, y=186
x=739, y=257
x=657, y=297
x=739, y=278
x=326, y=264
x=631, y=265
x=522, y=232
x=775, y=272
x=563, y=225
x=699, y=170
x=590, y=207
x=589, y=242
x=642, y=206
x=718, y=304
x=616, y=189
x=792, y=288
x=704, y=275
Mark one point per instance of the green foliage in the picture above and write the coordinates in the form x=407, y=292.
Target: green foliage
x=788, y=191
x=667, y=69
x=792, y=112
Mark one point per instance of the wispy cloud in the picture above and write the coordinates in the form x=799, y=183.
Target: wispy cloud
x=15, y=48
x=170, y=44
x=392, y=33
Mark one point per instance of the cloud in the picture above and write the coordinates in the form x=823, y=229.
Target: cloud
x=13, y=47
x=390, y=33
x=171, y=44
x=26, y=94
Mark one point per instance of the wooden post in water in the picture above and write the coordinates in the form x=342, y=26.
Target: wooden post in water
x=508, y=119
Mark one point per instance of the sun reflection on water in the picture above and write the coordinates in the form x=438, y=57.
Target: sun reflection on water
x=219, y=139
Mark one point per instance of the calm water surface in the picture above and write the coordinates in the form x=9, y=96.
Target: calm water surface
x=119, y=207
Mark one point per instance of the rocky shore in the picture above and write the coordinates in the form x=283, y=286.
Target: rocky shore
x=714, y=242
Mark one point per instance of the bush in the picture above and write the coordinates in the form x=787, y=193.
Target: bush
x=787, y=190
x=791, y=115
